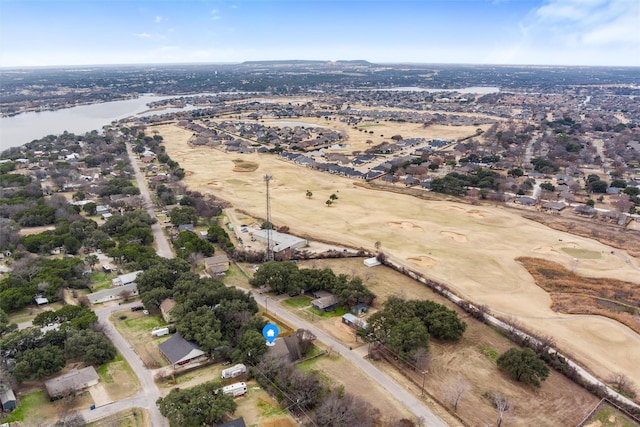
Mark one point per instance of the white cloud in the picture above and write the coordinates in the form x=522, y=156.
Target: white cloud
x=142, y=35
x=574, y=32
x=215, y=15
x=160, y=19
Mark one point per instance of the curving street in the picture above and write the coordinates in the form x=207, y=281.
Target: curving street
x=150, y=393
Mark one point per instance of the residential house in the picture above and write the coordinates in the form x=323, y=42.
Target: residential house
x=585, y=210
x=215, y=265
x=287, y=347
x=125, y=279
x=239, y=422
x=526, y=201
x=113, y=294
x=554, y=206
x=71, y=382
x=179, y=351
x=166, y=307
x=328, y=303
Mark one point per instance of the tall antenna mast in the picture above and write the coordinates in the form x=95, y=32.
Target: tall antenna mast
x=267, y=178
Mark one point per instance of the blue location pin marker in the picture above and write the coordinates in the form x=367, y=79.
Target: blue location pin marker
x=270, y=333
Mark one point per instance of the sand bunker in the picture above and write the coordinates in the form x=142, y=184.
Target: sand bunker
x=546, y=250
x=451, y=208
x=423, y=261
x=476, y=213
x=455, y=236
x=405, y=226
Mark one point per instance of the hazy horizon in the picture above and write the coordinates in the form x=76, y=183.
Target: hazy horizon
x=57, y=33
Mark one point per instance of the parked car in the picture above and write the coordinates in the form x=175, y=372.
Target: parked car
x=137, y=308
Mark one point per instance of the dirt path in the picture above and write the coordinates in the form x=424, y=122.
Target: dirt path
x=471, y=248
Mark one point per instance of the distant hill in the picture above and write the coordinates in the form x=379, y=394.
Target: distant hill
x=298, y=62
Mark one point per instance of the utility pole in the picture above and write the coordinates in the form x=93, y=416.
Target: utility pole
x=267, y=178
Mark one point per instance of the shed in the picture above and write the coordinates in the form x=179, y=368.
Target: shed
x=8, y=400
x=328, y=303
x=73, y=381
x=40, y=300
x=359, y=309
x=371, y=262
x=179, y=351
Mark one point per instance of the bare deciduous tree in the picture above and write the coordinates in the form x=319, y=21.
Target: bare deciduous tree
x=454, y=389
x=501, y=403
x=622, y=383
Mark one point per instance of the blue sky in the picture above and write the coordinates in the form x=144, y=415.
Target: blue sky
x=542, y=32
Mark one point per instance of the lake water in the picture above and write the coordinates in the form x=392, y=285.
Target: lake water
x=23, y=128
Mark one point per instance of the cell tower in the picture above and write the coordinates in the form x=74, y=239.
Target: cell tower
x=267, y=178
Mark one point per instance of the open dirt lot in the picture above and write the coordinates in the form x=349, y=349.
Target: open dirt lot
x=472, y=248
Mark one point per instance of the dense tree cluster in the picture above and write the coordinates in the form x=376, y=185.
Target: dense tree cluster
x=39, y=276
x=119, y=186
x=456, y=183
x=41, y=354
x=217, y=234
x=404, y=326
x=221, y=319
x=287, y=278
x=196, y=406
x=188, y=243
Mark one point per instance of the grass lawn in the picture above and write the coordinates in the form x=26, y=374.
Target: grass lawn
x=28, y=313
x=100, y=280
x=30, y=404
x=607, y=416
x=145, y=324
x=298, y=301
x=327, y=314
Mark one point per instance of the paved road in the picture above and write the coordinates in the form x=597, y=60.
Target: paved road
x=403, y=396
x=150, y=393
x=162, y=244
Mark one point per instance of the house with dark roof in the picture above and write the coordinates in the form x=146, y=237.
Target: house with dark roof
x=554, y=206
x=286, y=348
x=179, y=351
x=234, y=423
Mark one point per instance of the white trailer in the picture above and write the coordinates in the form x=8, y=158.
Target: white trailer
x=235, y=390
x=160, y=332
x=234, y=371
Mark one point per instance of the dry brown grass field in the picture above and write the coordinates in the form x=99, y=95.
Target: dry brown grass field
x=557, y=402
x=471, y=248
x=571, y=293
